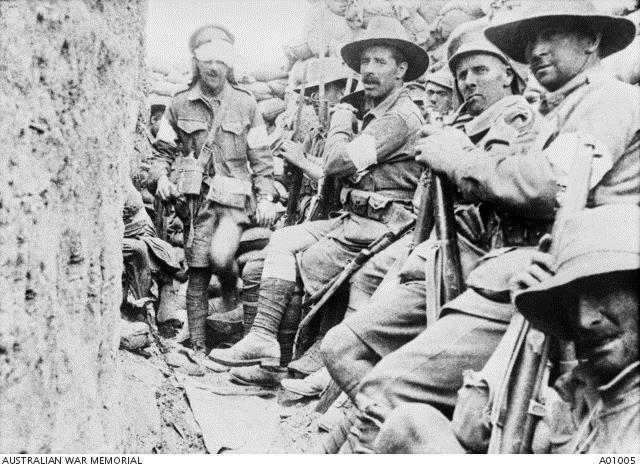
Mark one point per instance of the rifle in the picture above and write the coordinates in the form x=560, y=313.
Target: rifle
x=517, y=406
x=296, y=172
x=161, y=212
x=325, y=198
x=320, y=298
x=444, y=221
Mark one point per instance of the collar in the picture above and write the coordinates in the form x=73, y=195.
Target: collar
x=551, y=100
x=625, y=382
x=483, y=122
x=196, y=93
x=386, y=104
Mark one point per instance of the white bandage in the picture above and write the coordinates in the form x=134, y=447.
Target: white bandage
x=166, y=132
x=362, y=151
x=257, y=137
x=218, y=51
x=562, y=150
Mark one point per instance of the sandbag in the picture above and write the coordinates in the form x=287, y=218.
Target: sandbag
x=266, y=73
x=325, y=32
x=298, y=50
x=337, y=7
x=167, y=89
x=278, y=87
x=377, y=8
x=134, y=335
x=271, y=108
x=415, y=24
x=176, y=77
x=455, y=13
x=429, y=9
x=250, y=256
x=259, y=90
x=157, y=65
x=354, y=16
x=255, y=238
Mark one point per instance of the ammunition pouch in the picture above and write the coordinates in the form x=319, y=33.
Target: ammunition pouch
x=229, y=191
x=491, y=278
x=509, y=230
x=377, y=207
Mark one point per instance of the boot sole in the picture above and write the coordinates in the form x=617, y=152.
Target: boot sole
x=298, y=391
x=247, y=383
x=263, y=362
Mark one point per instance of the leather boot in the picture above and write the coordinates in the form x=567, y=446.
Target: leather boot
x=310, y=362
x=258, y=376
x=260, y=346
x=253, y=349
x=312, y=385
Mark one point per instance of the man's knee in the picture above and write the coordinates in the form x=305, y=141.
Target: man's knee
x=134, y=250
x=417, y=428
x=339, y=346
x=280, y=240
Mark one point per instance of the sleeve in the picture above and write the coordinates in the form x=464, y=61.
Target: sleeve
x=165, y=147
x=345, y=155
x=259, y=155
x=525, y=183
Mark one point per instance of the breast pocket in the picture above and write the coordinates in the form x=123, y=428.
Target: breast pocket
x=193, y=133
x=234, y=140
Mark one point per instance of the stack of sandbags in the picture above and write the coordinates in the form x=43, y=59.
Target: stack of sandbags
x=329, y=24
x=166, y=80
x=268, y=84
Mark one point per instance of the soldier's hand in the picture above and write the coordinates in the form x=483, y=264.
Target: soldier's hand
x=166, y=189
x=542, y=267
x=291, y=151
x=265, y=212
x=428, y=130
x=444, y=149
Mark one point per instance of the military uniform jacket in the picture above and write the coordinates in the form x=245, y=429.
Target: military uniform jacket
x=241, y=147
x=380, y=159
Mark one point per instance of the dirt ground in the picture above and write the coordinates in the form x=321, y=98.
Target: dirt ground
x=159, y=418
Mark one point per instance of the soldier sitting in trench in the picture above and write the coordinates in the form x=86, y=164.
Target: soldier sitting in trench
x=587, y=294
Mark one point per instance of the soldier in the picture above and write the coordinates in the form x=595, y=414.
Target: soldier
x=380, y=178
x=220, y=124
x=439, y=89
x=392, y=327
x=563, y=44
x=587, y=294
x=331, y=74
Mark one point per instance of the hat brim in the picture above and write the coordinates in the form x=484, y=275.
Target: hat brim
x=512, y=37
x=417, y=57
x=314, y=86
x=540, y=304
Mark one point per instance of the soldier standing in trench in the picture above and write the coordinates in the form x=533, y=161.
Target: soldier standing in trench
x=219, y=124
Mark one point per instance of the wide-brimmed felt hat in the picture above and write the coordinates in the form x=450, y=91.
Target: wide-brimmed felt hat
x=387, y=32
x=512, y=30
x=594, y=242
x=326, y=70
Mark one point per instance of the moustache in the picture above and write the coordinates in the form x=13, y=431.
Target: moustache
x=370, y=80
